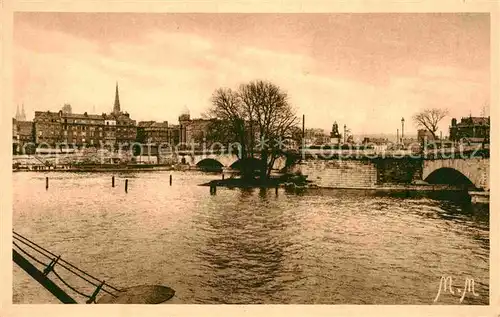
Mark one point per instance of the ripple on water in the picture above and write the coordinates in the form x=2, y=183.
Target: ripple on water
x=251, y=246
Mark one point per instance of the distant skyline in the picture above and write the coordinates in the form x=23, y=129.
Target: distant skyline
x=363, y=70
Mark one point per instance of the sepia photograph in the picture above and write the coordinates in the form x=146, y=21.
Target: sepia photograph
x=251, y=158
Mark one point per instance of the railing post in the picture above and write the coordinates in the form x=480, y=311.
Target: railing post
x=92, y=298
x=41, y=278
x=51, y=265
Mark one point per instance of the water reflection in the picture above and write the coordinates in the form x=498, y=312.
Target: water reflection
x=245, y=245
x=251, y=245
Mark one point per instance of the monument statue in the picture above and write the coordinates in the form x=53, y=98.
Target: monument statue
x=335, y=130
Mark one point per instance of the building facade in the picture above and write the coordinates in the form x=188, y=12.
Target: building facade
x=424, y=135
x=47, y=127
x=25, y=133
x=154, y=132
x=192, y=130
x=120, y=128
x=65, y=128
x=472, y=129
x=81, y=129
x=316, y=137
x=15, y=137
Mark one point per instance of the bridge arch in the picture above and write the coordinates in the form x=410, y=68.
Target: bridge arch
x=458, y=171
x=253, y=162
x=449, y=176
x=210, y=164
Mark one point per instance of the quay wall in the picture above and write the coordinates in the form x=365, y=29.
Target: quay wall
x=339, y=173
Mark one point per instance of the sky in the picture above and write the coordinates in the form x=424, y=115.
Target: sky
x=364, y=70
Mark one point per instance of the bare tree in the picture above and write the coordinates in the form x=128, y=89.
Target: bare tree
x=429, y=119
x=259, y=117
x=270, y=112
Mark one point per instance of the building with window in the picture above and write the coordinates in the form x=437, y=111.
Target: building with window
x=119, y=127
x=314, y=136
x=47, y=127
x=424, y=135
x=192, y=130
x=82, y=129
x=15, y=137
x=153, y=132
x=77, y=130
x=22, y=135
x=470, y=129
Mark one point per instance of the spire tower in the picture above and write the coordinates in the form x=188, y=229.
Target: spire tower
x=17, y=113
x=23, y=114
x=116, y=108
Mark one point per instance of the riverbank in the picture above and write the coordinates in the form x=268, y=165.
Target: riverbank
x=104, y=168
x=300, y=182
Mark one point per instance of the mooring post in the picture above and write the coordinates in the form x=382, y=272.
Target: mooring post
x=46, y=182
x=126, y=185
x=276, y=190
x=222, y=176
x=170, y=179
x=113, y=181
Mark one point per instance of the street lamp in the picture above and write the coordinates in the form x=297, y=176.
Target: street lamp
x=402, y=129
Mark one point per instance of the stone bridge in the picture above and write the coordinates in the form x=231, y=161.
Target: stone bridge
x=368, y=172
x=215, y=160
x=472, y=173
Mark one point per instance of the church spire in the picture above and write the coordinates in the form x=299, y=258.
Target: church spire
x=17, y=113
x=116, y=108
x=23, y=114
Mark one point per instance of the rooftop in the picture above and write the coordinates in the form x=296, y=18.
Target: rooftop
x=466, y=121
x=153, y=124
x=82, y=116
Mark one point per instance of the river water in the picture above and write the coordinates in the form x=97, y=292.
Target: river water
x=251, y=246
